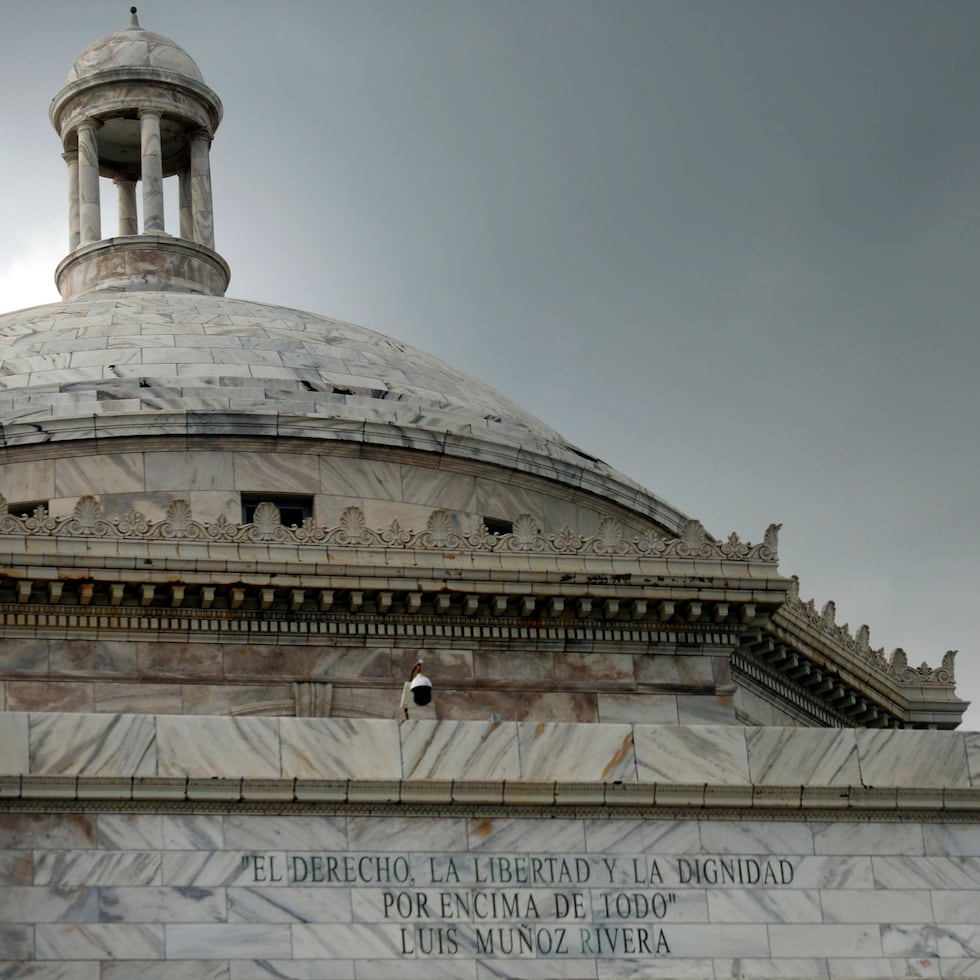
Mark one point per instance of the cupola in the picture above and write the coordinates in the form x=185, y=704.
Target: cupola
x=135, y=109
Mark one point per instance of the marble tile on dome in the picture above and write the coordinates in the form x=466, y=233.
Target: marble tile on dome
x=107, y=473
x=95, y=941
x=454, y=750
x=360, y=478
x=406, y=834
x=525, y=836
x=807, y=756
x=162, y=904
x=228, y=941
x=278, y=473
x=448, y=491
x=912, y=758
x=93, y=745
x=868, y=838
x=28, y=480
x=813, y=940
x=51, y=904
x=248, y=832
x=577, y=753
x=130, y=831
x=681, y=754
x=185, y=471
x=208, y=746
x=292, y=904
x=756, y=837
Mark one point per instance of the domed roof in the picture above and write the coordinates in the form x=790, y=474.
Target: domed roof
x=159, y=363
x=134, y=47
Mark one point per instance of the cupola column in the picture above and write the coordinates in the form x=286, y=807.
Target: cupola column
x=128, y=222
x=90, y=214
x=151, y=167
x=185, y=201
x=71, y=158
x=201, y=189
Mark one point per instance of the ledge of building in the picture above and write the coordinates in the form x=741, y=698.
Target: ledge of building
x=78, y=757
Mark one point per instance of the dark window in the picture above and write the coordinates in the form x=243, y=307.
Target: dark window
x=293, y=508
x=25, y=508
x=497, y=526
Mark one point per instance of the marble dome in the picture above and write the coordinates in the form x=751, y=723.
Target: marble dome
x=157, y=363
x=134, y=47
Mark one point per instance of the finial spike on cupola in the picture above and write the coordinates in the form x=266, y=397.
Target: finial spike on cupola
x=134, y=21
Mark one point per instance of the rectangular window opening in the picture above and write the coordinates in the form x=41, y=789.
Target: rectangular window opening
x=294, y=508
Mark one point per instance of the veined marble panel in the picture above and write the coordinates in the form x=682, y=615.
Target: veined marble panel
x=406, y=834
x=292, y=969
x=285, y=833
x=207, y=746
x=755, y=837
x=868, y=838
x=30, y=831
x=834, y=872
x=130, y=831
x=223, y=941
x=782, y=969
x=526, y=836
x=76, y=476
x=190, y=832
x=574, y=753
x=337, y=941
x=181, y=472
x=16, y=868
x=53, y=904
x=470, y=750
x=795, y=905
x=803, y=756
x=681, y=754
x=952, y=838
x=99, y=941
x=47, y=970
x=208, y=869
x=162, y=904
x=96, y=745
x=294, y=904
x=14, y=754
x=912, y=758
x=877, y=906
x=427, y=969
x=166, y=970
x=277, y=473
x=74, y=868
x=937, y=873
x=876, y=969
x=817, y=940
x=315, y=748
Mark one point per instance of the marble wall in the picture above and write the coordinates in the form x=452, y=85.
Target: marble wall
x=257, y=848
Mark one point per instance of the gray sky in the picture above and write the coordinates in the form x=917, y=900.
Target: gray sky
x=730, y=247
